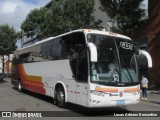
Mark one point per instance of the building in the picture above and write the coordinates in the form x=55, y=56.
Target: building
x=7, y=64
x=149, y=39
x=99, y=14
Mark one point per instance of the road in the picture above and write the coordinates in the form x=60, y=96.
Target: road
x=12, y=100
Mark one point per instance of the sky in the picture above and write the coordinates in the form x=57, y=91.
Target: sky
x=13, y=12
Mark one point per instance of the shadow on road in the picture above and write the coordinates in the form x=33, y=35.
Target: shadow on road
x=76, y=110
x=36, y=95
x=106, y=111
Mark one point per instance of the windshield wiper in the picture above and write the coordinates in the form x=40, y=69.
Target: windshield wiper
x=129, y=75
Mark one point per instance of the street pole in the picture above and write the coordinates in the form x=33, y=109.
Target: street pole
x=22, y=39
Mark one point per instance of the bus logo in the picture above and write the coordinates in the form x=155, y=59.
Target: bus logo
x=120, y=94
x=126, y=45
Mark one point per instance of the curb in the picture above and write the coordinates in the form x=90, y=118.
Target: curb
x=155, y=92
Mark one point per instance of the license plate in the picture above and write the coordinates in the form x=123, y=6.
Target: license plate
x=120, y=102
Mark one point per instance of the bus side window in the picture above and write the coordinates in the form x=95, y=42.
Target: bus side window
x=24, y=58
x=64, y=50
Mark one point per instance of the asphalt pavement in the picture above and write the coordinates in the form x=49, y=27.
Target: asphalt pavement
x=12, y=100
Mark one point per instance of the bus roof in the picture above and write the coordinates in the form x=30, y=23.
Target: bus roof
x=86, y=31
x=103, y=32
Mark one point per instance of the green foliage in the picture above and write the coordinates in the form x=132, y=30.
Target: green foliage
x=7, y=39
x=62, y=16
x=35, y=22
x=126, y=15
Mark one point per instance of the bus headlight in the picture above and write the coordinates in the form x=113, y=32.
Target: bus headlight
x=97, y=93
x=136, y=93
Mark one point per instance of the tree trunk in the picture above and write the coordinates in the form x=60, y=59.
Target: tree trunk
x=3, y=65
x=8, y=71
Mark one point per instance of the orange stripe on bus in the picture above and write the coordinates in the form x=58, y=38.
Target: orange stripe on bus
x=23, y=74
x=116, y=89
x=131, y=89
x=30, y=80
x=107, y=89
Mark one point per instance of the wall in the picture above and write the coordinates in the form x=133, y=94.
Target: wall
x=7, y=65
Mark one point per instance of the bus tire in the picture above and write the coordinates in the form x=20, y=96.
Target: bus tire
x=60, y=97
x=19, y=86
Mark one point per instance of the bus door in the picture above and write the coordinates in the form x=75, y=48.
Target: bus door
x=81, y=75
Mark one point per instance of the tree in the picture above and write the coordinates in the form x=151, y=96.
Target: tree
x=78, y=14
x=61, y=17
x=7, y=41
x=126, y=15
x=35, y=22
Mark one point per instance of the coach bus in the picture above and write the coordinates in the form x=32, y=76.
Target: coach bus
x=91, y=68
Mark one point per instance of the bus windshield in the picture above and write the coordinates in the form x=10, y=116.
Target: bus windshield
x=116, y=65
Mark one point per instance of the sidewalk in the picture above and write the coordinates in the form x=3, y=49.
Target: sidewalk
x=153, y=97
x=155, y=91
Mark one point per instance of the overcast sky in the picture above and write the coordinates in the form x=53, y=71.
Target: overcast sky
x=13, y=12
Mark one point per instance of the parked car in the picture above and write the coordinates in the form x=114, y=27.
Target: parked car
x=1, y=77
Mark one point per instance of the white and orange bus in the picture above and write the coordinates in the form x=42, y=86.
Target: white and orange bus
x=91, y=68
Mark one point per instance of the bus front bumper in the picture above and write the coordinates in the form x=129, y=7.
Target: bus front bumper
x=113, y=99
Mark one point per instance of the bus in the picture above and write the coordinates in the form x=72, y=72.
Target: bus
x=91, y=68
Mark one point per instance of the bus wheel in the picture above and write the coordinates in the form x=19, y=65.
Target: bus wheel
x=19, y=86
x=60, y=97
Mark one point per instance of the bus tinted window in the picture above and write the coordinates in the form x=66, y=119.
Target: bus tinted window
x=70, y=47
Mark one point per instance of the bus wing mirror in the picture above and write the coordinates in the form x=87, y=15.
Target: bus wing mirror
x=93, y=52
x=147, y=55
